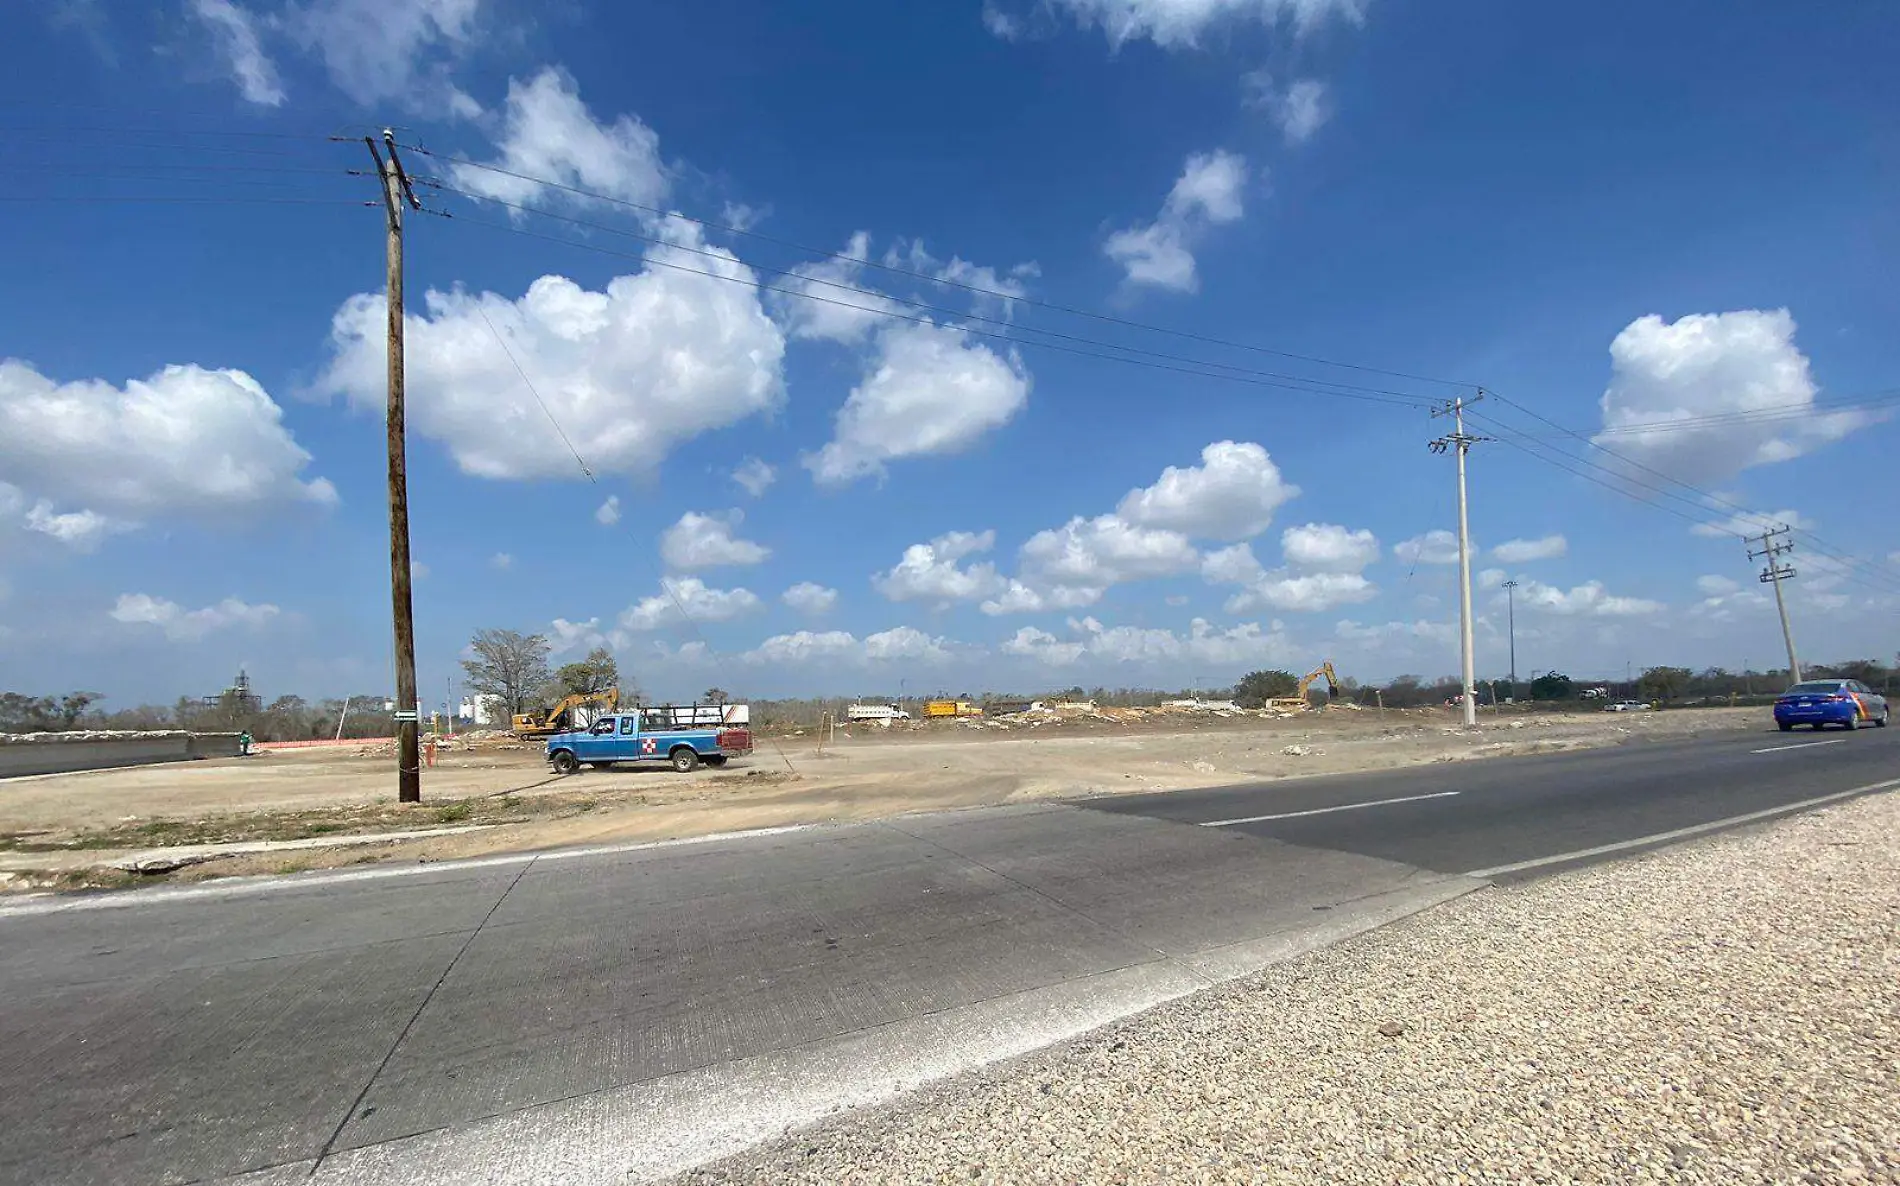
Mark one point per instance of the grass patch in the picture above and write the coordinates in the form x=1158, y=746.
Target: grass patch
x=453, y=813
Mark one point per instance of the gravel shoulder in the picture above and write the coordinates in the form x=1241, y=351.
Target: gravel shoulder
x=1722, y=1012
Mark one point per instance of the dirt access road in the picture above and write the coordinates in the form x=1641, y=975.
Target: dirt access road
x=64, y=830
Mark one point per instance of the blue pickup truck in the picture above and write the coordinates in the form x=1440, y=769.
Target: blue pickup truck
x=618, y=737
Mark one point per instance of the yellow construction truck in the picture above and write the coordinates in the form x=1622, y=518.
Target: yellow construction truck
x=937, y=709
x=566, y=715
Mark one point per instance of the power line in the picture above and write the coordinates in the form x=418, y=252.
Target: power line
x=503, y=343
x=1761, y=416
x=920, y=320
x=893, y=269
x=1350, y=390
x=1706, y=498
x=163, y=199
x=1853, y=569
x=163, y=169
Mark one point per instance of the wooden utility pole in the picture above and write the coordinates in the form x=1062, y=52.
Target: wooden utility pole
x=397, y=193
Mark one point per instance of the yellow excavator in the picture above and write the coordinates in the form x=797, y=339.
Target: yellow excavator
x=1297, y=701
x=561, y=717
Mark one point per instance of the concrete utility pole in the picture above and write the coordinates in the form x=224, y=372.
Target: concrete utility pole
x=1459, y=440
x=397, y=192
x=1510, y=591
x=1775, y=572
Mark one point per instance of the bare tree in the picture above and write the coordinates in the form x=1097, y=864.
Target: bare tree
x=716, y=696
x=508, y=665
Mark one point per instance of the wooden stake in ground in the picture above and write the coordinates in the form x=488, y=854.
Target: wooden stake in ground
x=397, y=192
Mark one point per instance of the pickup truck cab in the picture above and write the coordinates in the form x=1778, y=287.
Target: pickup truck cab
x=619, y=737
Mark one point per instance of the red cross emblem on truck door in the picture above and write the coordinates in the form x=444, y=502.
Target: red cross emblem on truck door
x=647, y=746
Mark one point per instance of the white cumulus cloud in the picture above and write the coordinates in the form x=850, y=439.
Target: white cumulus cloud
x=1704, y=397
x=548, y=133
x=1303, y=592
x=1434, y=547
x=818, y=302
x=1589, y=598
x=1231, y=495
x=930, y=572
x=700, y=602
x=807, y=647
x=1524, y=551
x=1092, y=554
x=630, y=373
x=1325, y=569
x=1159, y=254
x=927, y=389
x=809, y=597
x=1043, y=647
x=185, y=443
x=1716, y=586
x=1328, y=547
x=608, y=513
x=701, y=541
x=183, y=625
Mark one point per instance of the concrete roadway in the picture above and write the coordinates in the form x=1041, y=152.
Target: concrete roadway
x=614, y=1015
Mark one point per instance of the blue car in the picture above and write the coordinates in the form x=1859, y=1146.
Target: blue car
x=1817, y=702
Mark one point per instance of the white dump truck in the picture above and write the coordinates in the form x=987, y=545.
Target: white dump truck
x=881, y=713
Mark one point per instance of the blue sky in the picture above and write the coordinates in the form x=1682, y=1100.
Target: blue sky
x=1667, y=232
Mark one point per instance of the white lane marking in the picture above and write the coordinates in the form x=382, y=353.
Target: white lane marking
x=1776, y=749
x=1257, y=819
x=1685, y=833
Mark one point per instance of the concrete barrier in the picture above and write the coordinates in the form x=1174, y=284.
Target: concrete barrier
x=59, y=753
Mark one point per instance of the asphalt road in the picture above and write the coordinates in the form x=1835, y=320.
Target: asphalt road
x=1518, y=817
x=615, y=1015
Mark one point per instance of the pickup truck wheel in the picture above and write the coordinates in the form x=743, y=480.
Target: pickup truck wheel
x=565, y=763
x=684, y=759
x=715, y=760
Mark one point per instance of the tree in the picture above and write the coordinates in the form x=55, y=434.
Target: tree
x=716, y=696
x=596, y=673
x=1665, y=683
x=1257, y=687
x=74, y=704
x=508, y=665
x=1552, y=685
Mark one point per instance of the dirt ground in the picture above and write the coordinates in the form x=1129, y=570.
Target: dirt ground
x=57, y=831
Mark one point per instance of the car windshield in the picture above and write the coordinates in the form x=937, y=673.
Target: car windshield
x=1817, y=686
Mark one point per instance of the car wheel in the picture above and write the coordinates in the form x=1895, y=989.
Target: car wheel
x=684, y=759
x=1786, y=727
x=1852, y=722
x=715, y=760
x=565, y=763
x=1880, y=722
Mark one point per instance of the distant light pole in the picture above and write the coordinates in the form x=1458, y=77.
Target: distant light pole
x=1510, y=593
